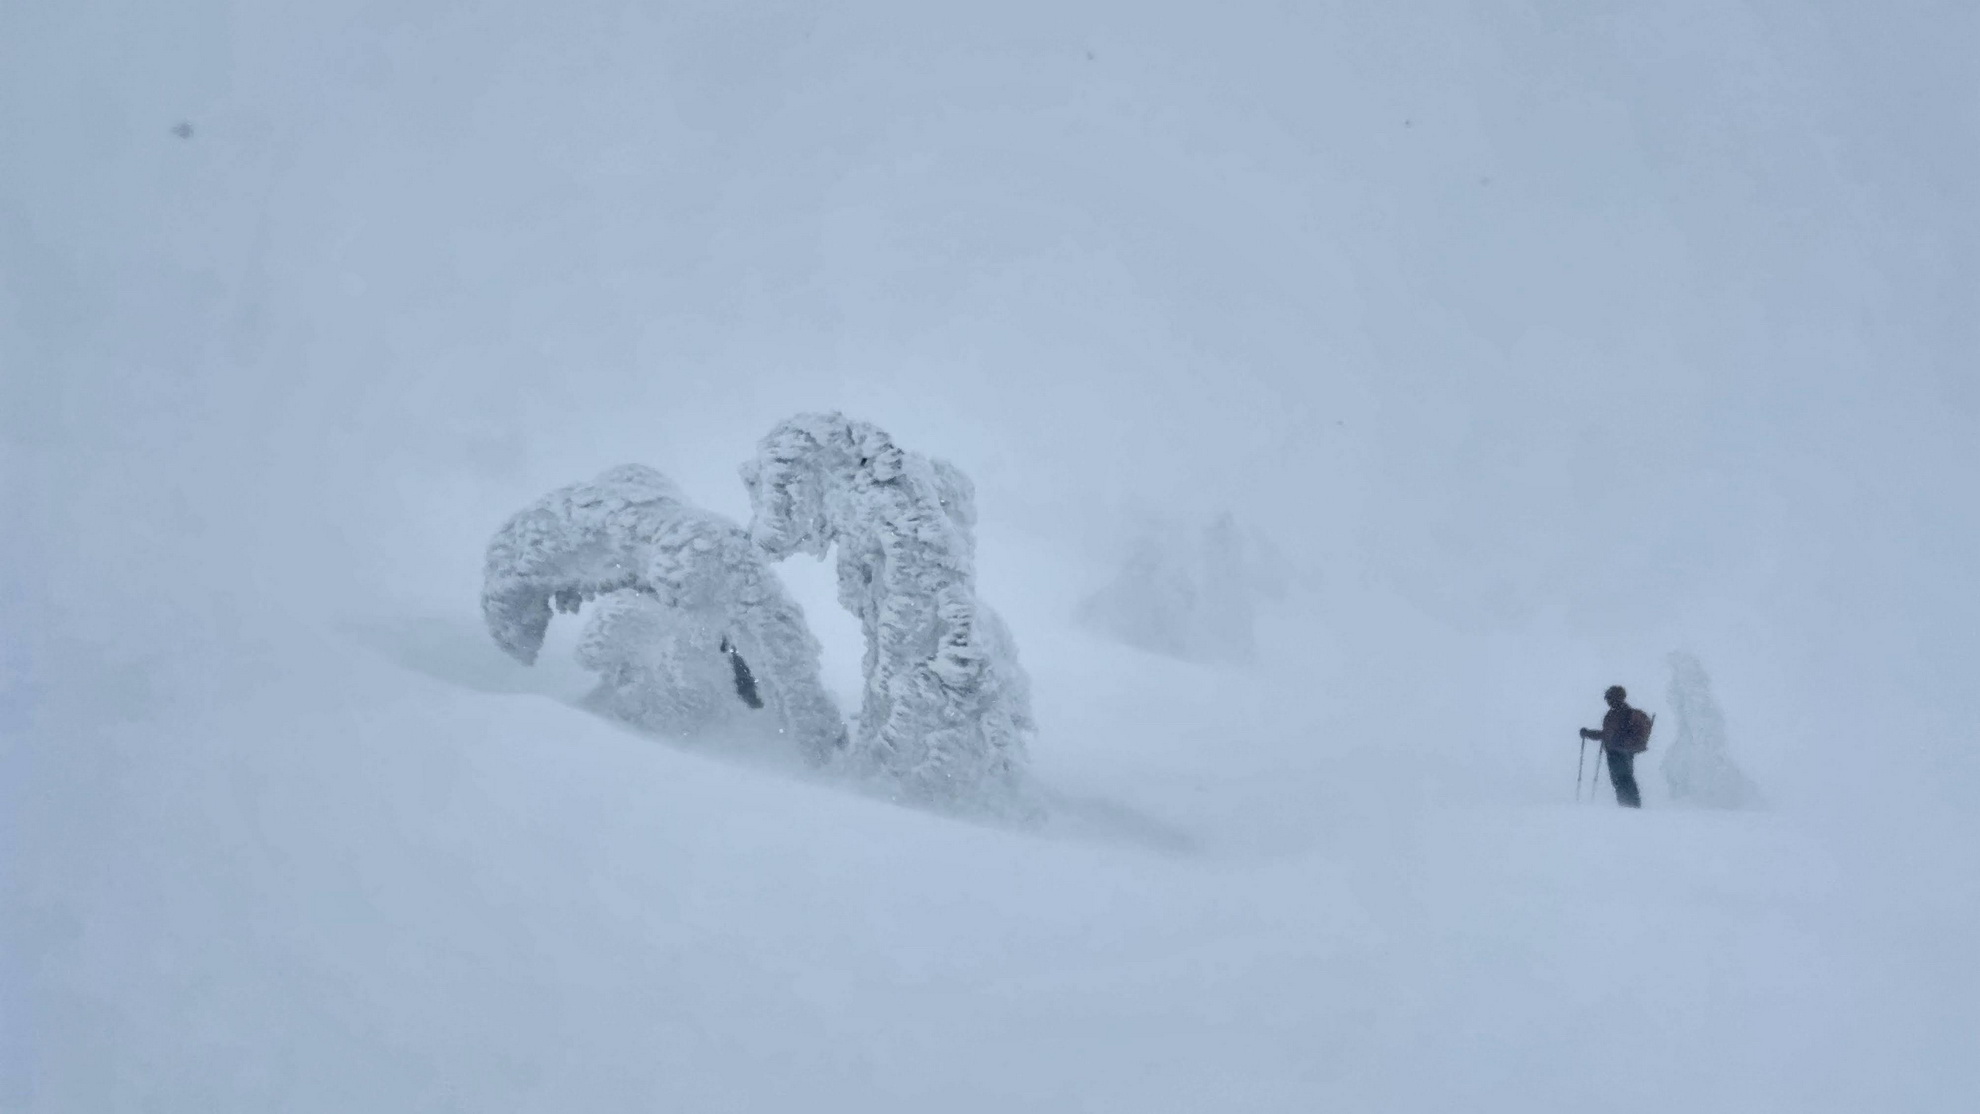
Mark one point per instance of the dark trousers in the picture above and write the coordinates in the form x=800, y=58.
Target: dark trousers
x=1622, y=775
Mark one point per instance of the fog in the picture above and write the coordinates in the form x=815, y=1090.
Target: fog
x=1542, y=340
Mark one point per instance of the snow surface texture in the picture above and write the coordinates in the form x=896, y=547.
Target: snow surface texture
x=1186, y=597
x=1698, y=766
x=947, y=708
x=677, y=588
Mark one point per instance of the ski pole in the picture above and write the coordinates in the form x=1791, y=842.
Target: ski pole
x=1580, y=767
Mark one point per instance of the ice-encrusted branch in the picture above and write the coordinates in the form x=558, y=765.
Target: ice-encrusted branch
x=679, y=588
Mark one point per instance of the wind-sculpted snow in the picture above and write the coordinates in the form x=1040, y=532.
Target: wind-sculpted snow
x=690, y=621
x=947, y=709
x=1698, y=766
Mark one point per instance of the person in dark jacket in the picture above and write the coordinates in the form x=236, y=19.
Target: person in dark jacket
x=1621, y=736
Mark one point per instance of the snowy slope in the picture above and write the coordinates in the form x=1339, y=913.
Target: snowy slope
x=354, y=885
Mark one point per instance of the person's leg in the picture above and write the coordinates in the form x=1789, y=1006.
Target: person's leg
x=1622, y=775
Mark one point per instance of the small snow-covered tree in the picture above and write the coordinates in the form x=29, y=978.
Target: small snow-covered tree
x=1186, y=597
x=947, y=709
x=690, y=624
x=1698, y=766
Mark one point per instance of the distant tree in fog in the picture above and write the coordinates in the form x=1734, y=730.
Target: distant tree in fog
x=1698, y=765
x=1188, y=596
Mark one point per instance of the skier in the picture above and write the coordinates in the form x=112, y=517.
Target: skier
x=1625, y=733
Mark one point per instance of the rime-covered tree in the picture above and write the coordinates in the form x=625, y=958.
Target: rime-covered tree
x=1698, y=766
x=947, y=710
x=690, y=623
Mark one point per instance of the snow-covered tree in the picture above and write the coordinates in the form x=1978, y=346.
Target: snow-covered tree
x=947, y=709
x=1698, y=765
x=655, y=670
x=691, y=624
x=1189, y=597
